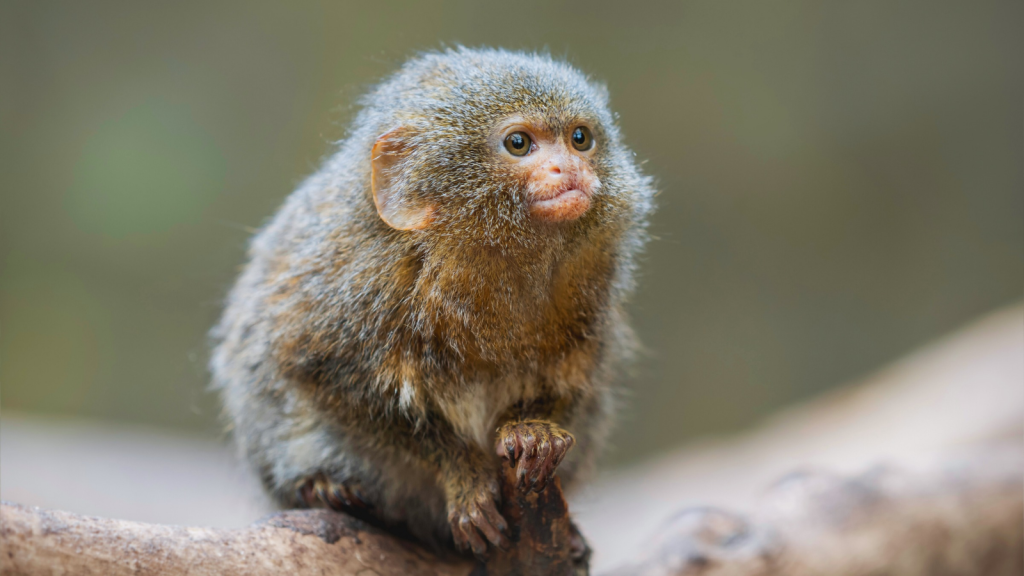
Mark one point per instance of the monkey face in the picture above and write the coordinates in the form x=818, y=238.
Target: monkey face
x=514, y=180
x=554, y=164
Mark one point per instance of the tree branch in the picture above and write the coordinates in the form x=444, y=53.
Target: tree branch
x=36, y=541
x=961, y=517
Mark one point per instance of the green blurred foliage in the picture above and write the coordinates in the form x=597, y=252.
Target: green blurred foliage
x=143, y=173
x=840, y=182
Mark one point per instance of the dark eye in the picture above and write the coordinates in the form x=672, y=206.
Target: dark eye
x=517, y=143
x=582, y=139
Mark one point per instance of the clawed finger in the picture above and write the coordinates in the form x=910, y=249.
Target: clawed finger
x=534, y=449
x=461, y=542
x=476, y=543
x=478, y=523
x=490, y=523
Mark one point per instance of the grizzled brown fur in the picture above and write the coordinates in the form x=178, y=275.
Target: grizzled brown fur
x=372, y=367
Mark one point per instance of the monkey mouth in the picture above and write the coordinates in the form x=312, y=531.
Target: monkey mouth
x=560, y=205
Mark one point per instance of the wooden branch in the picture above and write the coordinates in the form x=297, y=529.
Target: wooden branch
x=540, y=531
x=963, y=517
x=35, y=541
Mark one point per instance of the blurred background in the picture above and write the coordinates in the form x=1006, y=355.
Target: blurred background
x=840, y=183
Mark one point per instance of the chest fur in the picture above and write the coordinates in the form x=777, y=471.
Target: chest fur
x=474, y=411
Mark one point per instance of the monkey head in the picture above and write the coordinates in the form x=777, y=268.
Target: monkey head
x=498, y=148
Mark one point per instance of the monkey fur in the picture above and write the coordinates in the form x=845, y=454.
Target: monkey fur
x=386, y=370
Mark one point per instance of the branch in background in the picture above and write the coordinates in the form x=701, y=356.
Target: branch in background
x=962, y=392
x=961, y=517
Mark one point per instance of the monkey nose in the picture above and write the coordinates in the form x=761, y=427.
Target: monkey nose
x=554, y=173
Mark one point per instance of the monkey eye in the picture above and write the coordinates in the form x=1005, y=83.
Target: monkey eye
x=582, y=139
x=517, y=143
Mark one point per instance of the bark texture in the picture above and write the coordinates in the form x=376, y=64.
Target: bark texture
x=41, y=542
x=962, y=517
x=35, y=542
x=540, y=531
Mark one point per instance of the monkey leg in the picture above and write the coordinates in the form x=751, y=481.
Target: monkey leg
x=535, y=448
x=473, y=492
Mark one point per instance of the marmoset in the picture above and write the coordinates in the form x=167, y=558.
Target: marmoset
x=445, y=294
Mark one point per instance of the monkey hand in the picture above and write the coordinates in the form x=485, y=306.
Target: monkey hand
x=472, y=512
x=535, y=448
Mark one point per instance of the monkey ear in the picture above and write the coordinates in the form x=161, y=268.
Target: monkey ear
x=394, y=205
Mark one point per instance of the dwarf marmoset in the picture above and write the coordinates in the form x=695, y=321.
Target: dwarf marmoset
x=445, y=291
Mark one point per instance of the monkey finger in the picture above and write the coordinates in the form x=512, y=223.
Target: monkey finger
x=340, y=494
x=351, y=497
x=510, y=445
x=484, y=525
x=524, y=468
x=543, y=461
x=360, y=499
x=545, y=473
x=550, y=467
x=495, y=517
x=570, y=441
x=528, y=440
x=476, y=543
x=558, y=446
x=537, y=476
x=490, y=508
x=327, y=496
x=461, y=543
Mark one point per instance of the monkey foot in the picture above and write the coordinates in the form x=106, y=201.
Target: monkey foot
x=535, y=448
x=341, y=496
x=474, y=516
